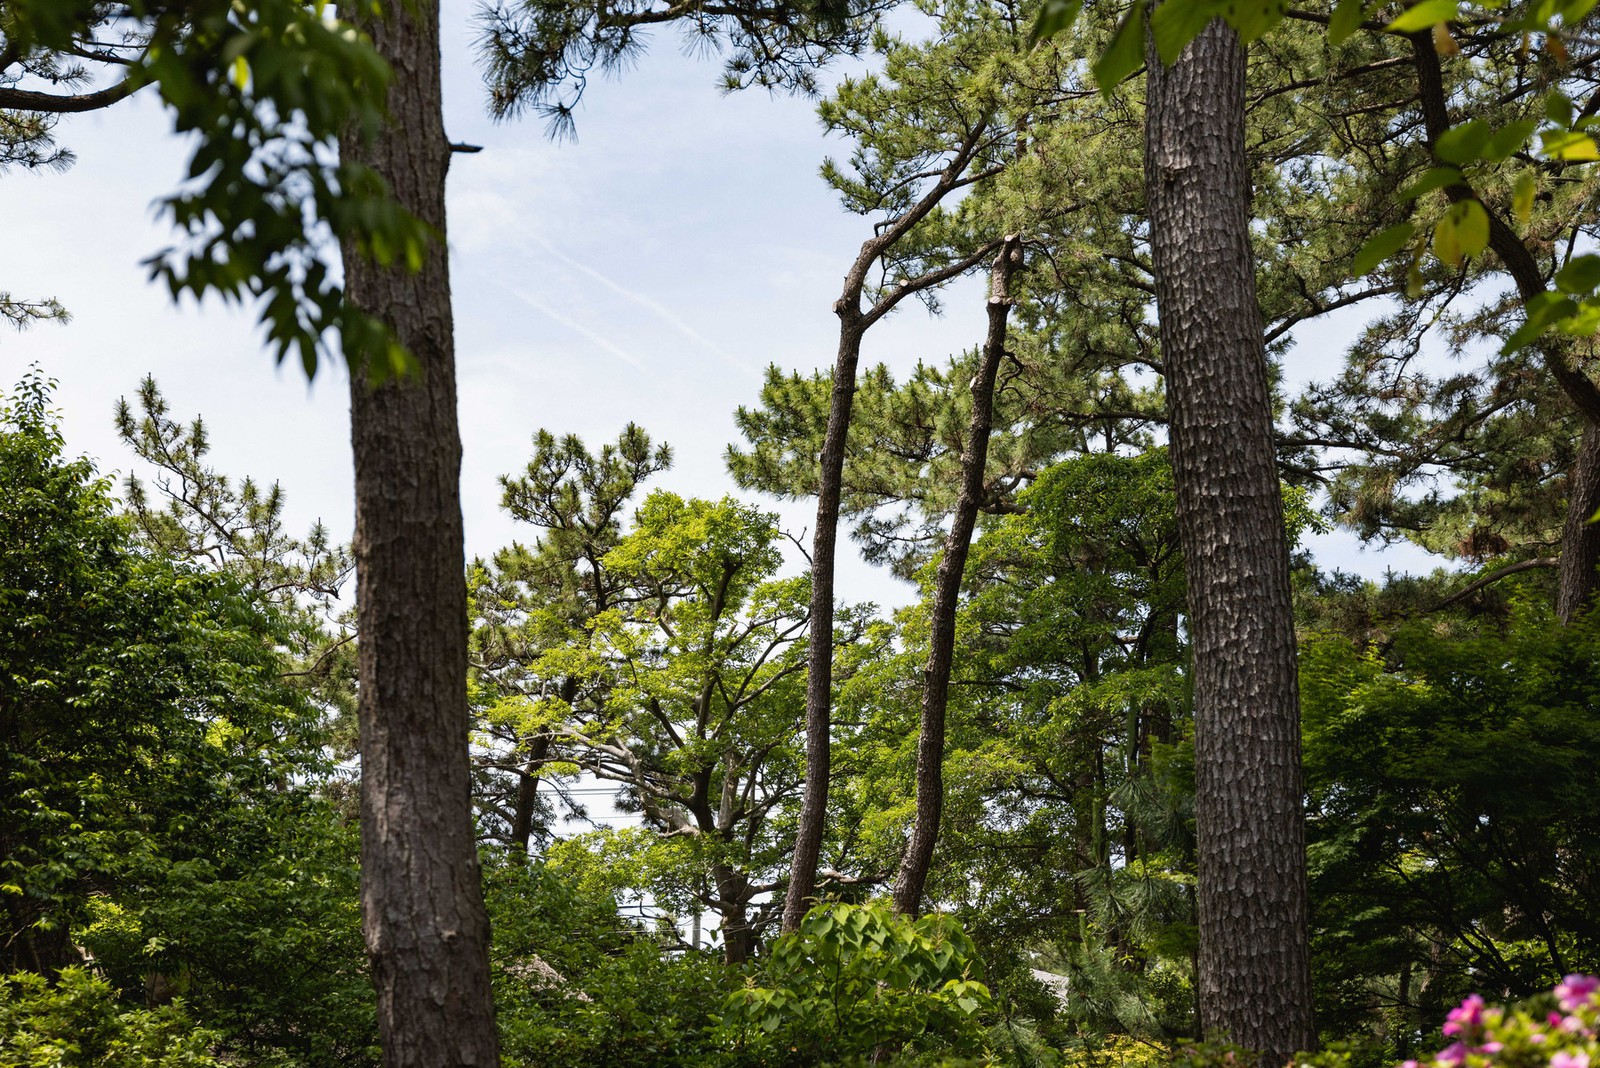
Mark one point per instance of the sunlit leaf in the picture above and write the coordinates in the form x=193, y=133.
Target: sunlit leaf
x=1424, y=15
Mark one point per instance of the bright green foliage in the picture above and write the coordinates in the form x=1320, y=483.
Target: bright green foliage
x=268, y=87
x=77, y=1022
x=858, y=978
x=1453, y=834
x=667, y=660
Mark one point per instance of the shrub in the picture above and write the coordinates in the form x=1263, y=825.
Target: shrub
x=78, y=1023
x=1557, y=1031
x=855, y=979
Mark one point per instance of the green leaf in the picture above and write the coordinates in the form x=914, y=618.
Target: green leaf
x=1558, y=108
x=1056, y=16
x=1462, y=233
x=1433, y=178
x=1347, y=18
x=1581, y=275
x=1424, y=15
x=1508, y=139
x=1522, y=197
x=1542, y=311
x=1251, y=19
x=1569, y=145
x=1380, y=247
x=1585, y=322
x=1462, y=144
x=1177, y=22
x=1125, y=53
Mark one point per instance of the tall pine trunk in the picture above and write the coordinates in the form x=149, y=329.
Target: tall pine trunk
x=1254, y=963
x=421, y=895
x=914, y=864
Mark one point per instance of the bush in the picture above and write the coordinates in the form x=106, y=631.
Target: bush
x=857, y=979
x=1557, y=1030
x=78, y=1023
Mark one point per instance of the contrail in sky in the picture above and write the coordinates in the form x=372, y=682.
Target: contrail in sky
x=574, y=325
x=656, y=306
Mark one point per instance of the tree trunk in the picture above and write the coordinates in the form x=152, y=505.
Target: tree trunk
x=1254, y=972
x=1580, y=539
x=421, y=894
x=527, y=803
x=819, y=651
x=913, y=874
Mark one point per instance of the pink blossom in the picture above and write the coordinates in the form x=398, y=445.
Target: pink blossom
x=1452, y=1054
x=1575, y=991
x=1563, y=1059
x=1468, y=1015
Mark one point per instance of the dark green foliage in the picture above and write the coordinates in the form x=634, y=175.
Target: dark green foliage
x=1454, y=840
x=157, y=802
x=614, y=996
x=268, y=87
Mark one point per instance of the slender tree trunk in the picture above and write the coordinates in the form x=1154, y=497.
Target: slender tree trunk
x=421, y=895
x=819, y=652
x=527, y=803
x=1254, y=971
x=1580, y=539
x=853, y=325
x=913, y=874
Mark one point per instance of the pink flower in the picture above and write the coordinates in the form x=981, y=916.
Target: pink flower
x=1537, y=1038
x=1575, y=991
x=1563, y=1059
x=1468, y=1015
x=1452, y=1054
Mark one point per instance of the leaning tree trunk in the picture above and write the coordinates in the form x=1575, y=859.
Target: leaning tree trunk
x=853, y=325
x=1254, y=971
x=421, y=895
x=913, y=874
x=819, y=653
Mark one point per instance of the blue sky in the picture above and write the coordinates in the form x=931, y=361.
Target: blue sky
x=647, y=272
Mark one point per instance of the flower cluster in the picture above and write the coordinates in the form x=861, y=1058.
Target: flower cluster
x=1528, y=1036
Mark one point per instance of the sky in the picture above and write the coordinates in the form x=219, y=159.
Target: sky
x=647, y=272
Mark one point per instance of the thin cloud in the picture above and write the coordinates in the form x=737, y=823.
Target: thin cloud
x=667, y=314
x=576, y=327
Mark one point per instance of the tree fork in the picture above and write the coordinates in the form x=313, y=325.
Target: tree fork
x=1577, y=577
x=914, y=864
x=421, y=893
x=1254, y=975
x=853, y=325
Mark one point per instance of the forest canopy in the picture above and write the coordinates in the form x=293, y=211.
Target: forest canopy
x=1130, y=776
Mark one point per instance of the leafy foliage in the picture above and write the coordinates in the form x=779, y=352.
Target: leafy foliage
x=858, y=978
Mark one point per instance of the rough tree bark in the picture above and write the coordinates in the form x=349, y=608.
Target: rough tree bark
x=854, y=321
x=1254, y=981
x=1578, y=580
x=421, y=895
x=913, y=874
